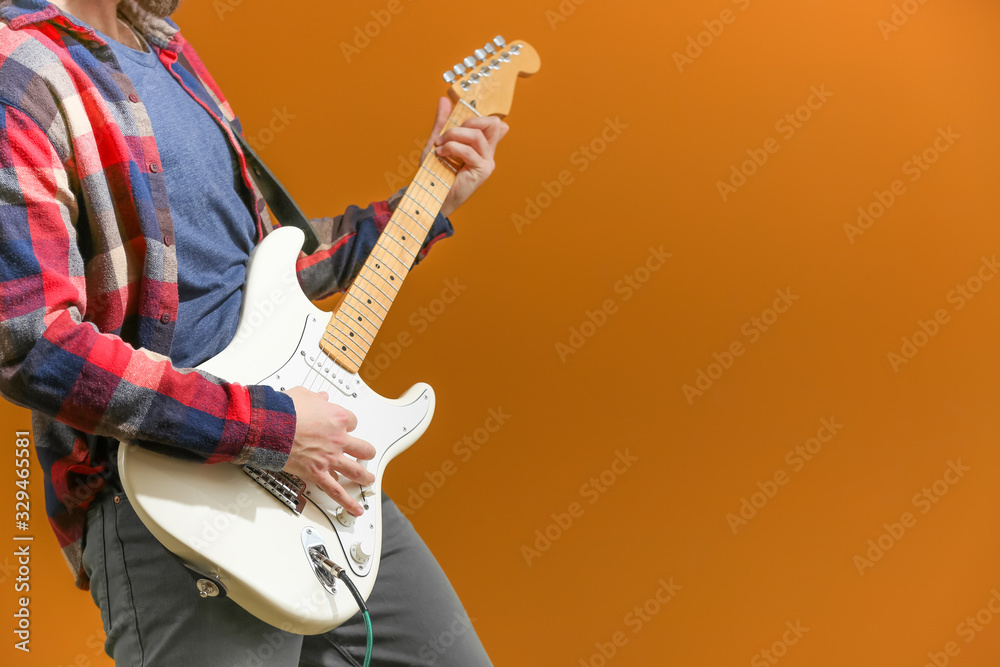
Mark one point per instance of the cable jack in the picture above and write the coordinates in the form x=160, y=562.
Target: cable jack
x=323, y=560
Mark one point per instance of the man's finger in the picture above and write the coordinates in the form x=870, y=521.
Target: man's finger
x=472, y=159
x=443, y=111
x=470, y=136
x=353, y=470
x=333, y=489
x=491, y=126
x=358, y=448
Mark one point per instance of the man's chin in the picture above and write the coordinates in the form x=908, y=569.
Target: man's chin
x=161, y=8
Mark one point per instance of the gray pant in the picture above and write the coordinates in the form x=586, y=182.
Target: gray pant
x=154, y=617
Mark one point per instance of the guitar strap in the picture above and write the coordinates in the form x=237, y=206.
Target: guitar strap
x=284, y=208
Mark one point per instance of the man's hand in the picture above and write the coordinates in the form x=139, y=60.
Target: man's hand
x=474, y=143
x=321, y=442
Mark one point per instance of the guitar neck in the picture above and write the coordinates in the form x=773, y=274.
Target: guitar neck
x=354, y=325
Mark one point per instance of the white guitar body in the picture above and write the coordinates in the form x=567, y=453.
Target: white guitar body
x=232, y=529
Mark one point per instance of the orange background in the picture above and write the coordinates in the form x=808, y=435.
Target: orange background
x=656, y=184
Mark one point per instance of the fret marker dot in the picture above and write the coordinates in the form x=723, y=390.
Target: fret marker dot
x=359, y=318
x=344, y=348
x=369, y=300
x=352, y=334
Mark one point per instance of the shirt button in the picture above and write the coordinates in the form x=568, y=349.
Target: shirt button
x=168, y=240
x=153, y=167
x=165, y=318
x=133, y=97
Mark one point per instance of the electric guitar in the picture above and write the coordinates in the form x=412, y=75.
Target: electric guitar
x=258, y=535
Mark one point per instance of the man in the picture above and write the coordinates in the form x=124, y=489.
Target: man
x=126, y=217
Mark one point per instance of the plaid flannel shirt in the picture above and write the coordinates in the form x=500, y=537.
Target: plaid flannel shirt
x=88, y=268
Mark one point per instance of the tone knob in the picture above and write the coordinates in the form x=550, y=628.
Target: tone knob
x=344, y=517
x=361, y=552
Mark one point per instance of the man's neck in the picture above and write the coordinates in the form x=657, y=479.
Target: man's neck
x=99, y=14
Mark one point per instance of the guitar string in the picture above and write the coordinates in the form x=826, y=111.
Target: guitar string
x=357, y=347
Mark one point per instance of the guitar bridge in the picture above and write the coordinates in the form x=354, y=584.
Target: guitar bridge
x=287, y=488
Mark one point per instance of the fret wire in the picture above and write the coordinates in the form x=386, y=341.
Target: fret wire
x=381, y=246
x=380, y=317
x=426, y=230
x=440, y=177
x=471, y=108
x=357, y=343
x=359, y=340
x=368, y=294
x=350, y=351
x=360, y=275
x=428, y=191
x=413, y=199
x=336, y=343
x=402, y=245
x=377, y=320
x=374, y=300
x=441, y=160
x=355, y=323
x=401, y=278
x=400, y=209
x=370, y=282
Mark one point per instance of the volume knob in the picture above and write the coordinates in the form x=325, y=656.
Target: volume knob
x=361, y=552
x=344, y=517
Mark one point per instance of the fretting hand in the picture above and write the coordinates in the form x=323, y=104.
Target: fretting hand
x=474, y=144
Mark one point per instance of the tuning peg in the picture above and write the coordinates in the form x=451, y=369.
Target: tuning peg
x=489, y=48
x=469, y=61
x=498, y=40
x=459, y=69
x=449, y=76
x=480, y=54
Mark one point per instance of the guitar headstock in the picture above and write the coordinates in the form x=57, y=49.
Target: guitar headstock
x=485, y=80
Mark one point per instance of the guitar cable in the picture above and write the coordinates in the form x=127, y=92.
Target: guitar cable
x=341, y=574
